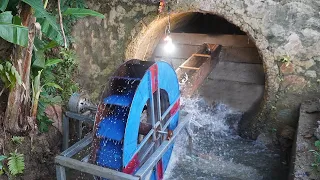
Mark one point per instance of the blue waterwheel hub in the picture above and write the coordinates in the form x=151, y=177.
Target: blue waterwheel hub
x=126, y=105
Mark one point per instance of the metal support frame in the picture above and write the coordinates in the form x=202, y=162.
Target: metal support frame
x=65, y=160
x=153, y=121
x=162, y=149
x=65, y=123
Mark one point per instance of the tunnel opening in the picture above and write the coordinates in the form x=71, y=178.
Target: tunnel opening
x=209, y=24
x=237, y=77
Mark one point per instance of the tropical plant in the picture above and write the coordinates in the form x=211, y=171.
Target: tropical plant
x=23, y=31
x=16, y=163
x=9, y=76
x=17, y=139
x=11, y=29
x=37, y=88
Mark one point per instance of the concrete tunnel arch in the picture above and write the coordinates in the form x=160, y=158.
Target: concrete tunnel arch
x=146, y=42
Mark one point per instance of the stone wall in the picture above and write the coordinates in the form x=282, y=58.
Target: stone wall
x=100, y=44
x=282, y=29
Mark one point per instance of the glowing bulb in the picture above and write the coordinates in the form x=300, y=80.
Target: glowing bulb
x=169, y=46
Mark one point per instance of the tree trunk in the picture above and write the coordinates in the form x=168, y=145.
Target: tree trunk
x=18, y=108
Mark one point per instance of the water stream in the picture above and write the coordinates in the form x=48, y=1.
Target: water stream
x=217, y=152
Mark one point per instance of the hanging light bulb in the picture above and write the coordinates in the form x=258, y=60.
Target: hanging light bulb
x=169, y=46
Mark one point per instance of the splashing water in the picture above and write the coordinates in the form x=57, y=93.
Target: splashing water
x=217, y=152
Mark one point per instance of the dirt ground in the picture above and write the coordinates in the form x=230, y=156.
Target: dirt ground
x=38, y=155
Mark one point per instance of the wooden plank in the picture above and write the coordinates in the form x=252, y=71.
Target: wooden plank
x=93, y=169
x=196, y=78
x=187, y=67
x=202, y=55
x=223, y=40
x=194, y=61
x=241, y=55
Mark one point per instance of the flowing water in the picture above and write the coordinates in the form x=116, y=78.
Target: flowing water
x=217, y=152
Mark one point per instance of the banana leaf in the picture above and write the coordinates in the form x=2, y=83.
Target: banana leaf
x=80, y=12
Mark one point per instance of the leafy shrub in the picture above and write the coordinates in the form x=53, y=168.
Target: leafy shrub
x=16, y=163
x=316, y=154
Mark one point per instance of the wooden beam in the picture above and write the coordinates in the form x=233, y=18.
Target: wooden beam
x=223, y=40
x=204, y=67
x=187, y=67
x=202, y=55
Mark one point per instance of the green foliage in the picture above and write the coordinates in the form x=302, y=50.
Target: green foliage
x=37, y=88
x=73, y=4
x=51, y=62
x=16, y=163
x=316, y=154
x=55, y=74
x=41, y=98
x=3, y=5
x=11, y=32
x=285, y=59
x=44, y=101
x=317, y=144
x=68, y=21
x=2, y=158
x=79, y=12
x=17, y=139
x=65, y=72
x=48, y=22
x=9, y=75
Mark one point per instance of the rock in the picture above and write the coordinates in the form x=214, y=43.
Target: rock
x=277, y=31
x=302, y=147
x=317, y=132
x=294, y=45
x=310, y=35
x=311, y=74
x=299, y=69
x=286, y=137
x=316, y=58
x=308, y=136
x=55, y=114
x=294, y=82
x=265, y=139
x=288, y=132
x=312, y=106
x=306, y=64
x=287, y=68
